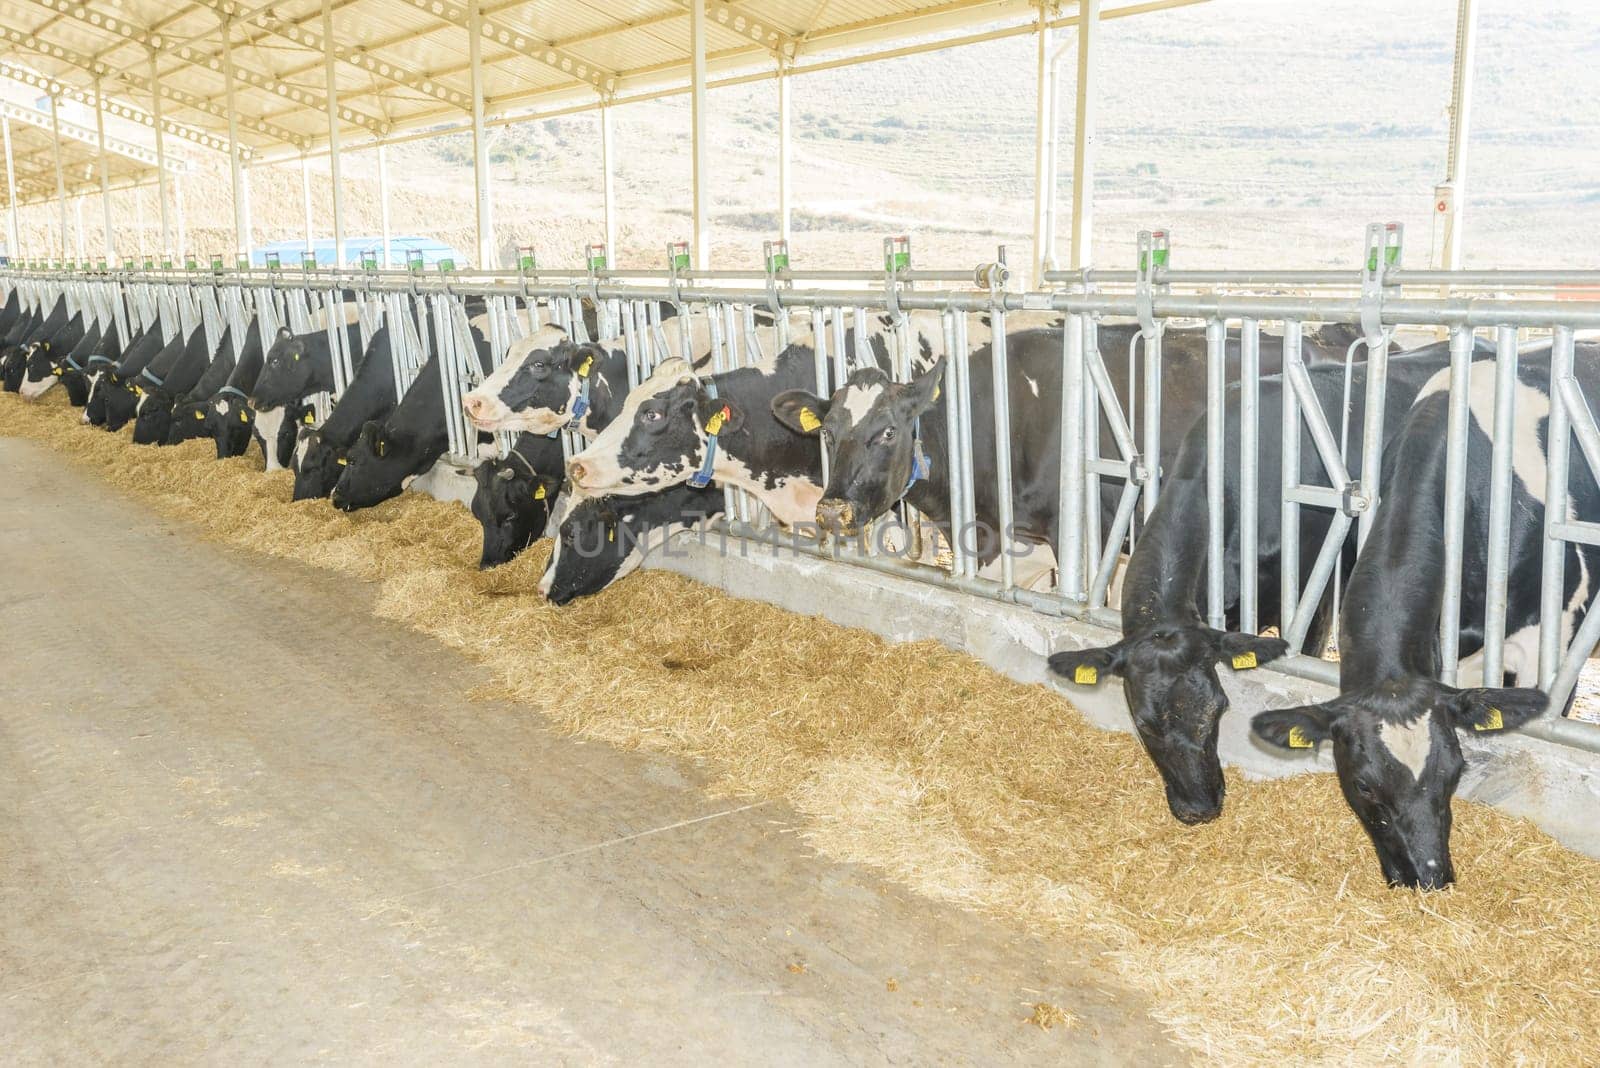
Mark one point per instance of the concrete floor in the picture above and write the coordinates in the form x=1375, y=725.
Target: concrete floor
x=242, y=821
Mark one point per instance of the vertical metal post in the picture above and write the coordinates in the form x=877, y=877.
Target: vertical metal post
x=480, y=142
x=161, y=153
x=1216, y=377
x=15, y=244
x=1289, y=482
x=1069, y=507
x=332, y=71
x=608, y=186
x=697, y=124
x=1044, y=122
x=1455, y=504
x=1083, y=149
x=1505, y=421
x=241, y=229
x=1002, y=443
x=77, y=230
x=177, y=200
x=101, y=164
x=1249, y=468
x=61, y=180
x=785, y=151
x=1452, y=198
x=383, y=198
x=305, y=195
x=1558, y=446
x=247, y=245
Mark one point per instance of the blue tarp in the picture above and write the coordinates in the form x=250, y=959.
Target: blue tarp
x=290, y=253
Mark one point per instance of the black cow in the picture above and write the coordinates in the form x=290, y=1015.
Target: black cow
x=605, y=539
x=548, y=381
x=111, y=383
x=40, y=331
x=161, y=384
x=1393, y=725
x=388, y=454
x=38, y=358
x=297, y=366
x=319, y=455
x=231, y=419
x=1168, y=655
x=514, y=496
x=191, y=413
x=47, y=367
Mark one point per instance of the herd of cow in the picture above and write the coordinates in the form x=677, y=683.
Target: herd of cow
x=657, y=453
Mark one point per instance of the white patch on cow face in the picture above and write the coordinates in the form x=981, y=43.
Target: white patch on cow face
x=1409, y=743
x=267, y=424
x=33, y=389
x=601, y=460
x=484, y=405
x=302, y=444
x=94, y=383
x=857, y=402
x=138, y=405
x=1033, y=386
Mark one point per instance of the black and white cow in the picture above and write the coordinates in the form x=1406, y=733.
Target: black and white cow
x=47, y=368
x=299, y=365
x=389, y=453
x=37, y=331
x=319, y=454
x=114, y=385
x=99, y=370
x=191, y=413
x=515, y=496
x=1168, y=654
x=1394, y=725
x=40, y=358
x=605, y=539
x=163, y=382
x=232, y=419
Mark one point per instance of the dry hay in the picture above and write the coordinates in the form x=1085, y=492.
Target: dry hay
x=1264, y=936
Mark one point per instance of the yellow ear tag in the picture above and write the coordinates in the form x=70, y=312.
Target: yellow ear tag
x=1494, y=721
x=309, y=419
x=56, y=372
x=343, y=462
x=138, y=391
x=243, y=418
x=1298, y=739
x=1086, y=675
x=809, y=420
x=538, y=492
x=611, y=534
x=714, y=424
x=297, y=356
x=1244, y=661
x=381, y=448
x=937, y=389
x=583, y=368
x=200, y=417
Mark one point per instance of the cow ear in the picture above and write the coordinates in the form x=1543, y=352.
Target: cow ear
x=1494, y=709
x=582, y=358
x=718, y=415
x=284, y=333
x=546, y=489
x=1296, y=728
x=926, y=388
x=1084, y=667
x=800, y=411
x=1245, y=651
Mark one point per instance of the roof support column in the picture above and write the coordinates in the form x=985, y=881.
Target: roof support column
x=164, y=246
x=383, y=199
x=1047, y=125
x=61, y=179
x=480, y=141
x=183, y=238
x=105, y=175
x=784, y=182
x=82, y=251
x=241, y=225
x=333, y=132
x=697, y=123
x=14, y=246
x=305, y=194
x=247, y=246
x=1450, y=198
x=608, y=186
x=1083, y=146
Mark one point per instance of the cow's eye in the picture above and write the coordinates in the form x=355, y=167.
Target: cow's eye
x=1366, y=789
x=887, y=435
x=652, y=415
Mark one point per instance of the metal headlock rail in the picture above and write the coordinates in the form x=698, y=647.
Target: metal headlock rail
x=427, y=314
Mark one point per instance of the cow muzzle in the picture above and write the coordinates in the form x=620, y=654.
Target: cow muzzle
x=836, y=516
x=483, y=411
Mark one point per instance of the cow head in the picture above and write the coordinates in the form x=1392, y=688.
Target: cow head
x=40, y=373
x=375, y=469
x=76, y=383
x=122, y=403
x=659, y=439
x=286, y=372
x=1399, y=760
x=1169, y=678
x=188, y=421
x=512, y=504
x=537, y=386
x=232, y=424
x=869, y=429
x=154, y=421
x=317, y=464
x=94, y=403
x=13, y=365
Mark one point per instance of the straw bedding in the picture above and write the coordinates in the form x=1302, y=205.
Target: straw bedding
x=1262, y=937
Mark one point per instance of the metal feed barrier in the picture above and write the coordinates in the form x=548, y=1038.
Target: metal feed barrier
x=427, y=314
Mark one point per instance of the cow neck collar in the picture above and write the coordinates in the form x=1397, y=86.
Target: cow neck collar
x=702, y=478
x=512, y=453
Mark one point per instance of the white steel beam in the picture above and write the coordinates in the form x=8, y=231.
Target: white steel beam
x=522, y=44
x=383, y=199
x=1044, y=129
x=103, y=164
x=785, y=150
x=83, y=134
x=61, y=178
x=161, y=157
x=119, y=108
x=608, y=186
x=747, y=24
x=14, y=246
x=247, y=246
x=1083, y=147
x=305, y=196
x=480, y=143
x=1453, y=196
x=697, y=122
x=235, y=169
x=334, y=112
